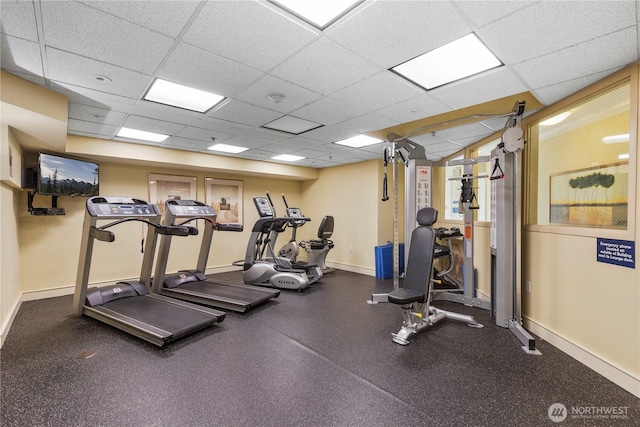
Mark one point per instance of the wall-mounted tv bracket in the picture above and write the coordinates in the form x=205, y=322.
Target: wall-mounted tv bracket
x=53, y=210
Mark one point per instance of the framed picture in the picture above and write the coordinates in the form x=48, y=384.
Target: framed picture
x=225, y=196
x=591, y=197
x=169, y=187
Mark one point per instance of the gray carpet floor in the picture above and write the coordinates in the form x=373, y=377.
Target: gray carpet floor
x=320, y=357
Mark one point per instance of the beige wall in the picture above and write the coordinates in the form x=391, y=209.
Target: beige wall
x=10, y=289
x=592, y=304
x=55, y=240
x=350, y=194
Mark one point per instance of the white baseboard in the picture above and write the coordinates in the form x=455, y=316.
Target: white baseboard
x=222, y=269
x=592, y=361
x=352, y=268
x=7, y=324
x=48, y=293
x=69, y=290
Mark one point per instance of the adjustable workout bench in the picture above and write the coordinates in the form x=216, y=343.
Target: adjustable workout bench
x=415, y=295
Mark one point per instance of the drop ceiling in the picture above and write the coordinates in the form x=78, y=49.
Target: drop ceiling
x=104, y=56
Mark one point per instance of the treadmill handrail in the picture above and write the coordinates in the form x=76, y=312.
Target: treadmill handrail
x=162, y=229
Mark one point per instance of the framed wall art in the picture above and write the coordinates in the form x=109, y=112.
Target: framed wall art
x=591, y=197
x=170, y=187
x=225, y=196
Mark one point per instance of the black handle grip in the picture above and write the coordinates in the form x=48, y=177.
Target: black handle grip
x=170, y=230
x=385, y=194
x=229, y=227
x=102, y=235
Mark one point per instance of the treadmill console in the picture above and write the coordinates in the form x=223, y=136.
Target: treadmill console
x=119, y=207
x=263, y=206
x=188, y=208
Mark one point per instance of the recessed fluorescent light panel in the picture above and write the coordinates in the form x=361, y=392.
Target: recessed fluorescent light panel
x=320, y=14
x=177, y=95
x=359, y=141
x=454, y=61
x=293, y=125
x=225, y=148
x=141, y=134
x=624, y=156
x=288, y=158
x=615, y=139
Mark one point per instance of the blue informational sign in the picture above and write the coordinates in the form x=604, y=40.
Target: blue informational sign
x=617, y=252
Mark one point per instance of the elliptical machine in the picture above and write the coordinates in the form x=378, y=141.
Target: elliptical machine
x=291, y=249
x=262, y=266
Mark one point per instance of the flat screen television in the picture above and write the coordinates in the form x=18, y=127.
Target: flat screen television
x=63, y=176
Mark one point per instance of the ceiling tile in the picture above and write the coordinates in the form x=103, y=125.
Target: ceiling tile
x=80, y=29
x=601, y=54
x=485, y=12
x=204, y=135
x=21, y=56
x=328, y=134
x=490, y=85
x=316, y=163
x=247, y=114
x=217, y=28
x=551, y=94
x=258, y=154
x=106, y=131
x=378, y=91
x=17, y=19
x=276, y=149
x=307, y=153
x=250, y=49
x=203, y=70
x=446, y=146
x=496, y=124
x=294, y=96
x=555, y=25
x=96, y=115
x=86, y=96
x=152, y=125
x=244, y=141
x=367, y=123
x=414, y=109
x=377, y=149
x=388, y=33
x=166, y=17
x=327, y=111
x=65, y=67
x=186, y=143
x=324, y=67
x=472, y=130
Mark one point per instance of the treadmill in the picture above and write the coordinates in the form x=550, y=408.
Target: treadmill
x=130, y=306
x=194, y=285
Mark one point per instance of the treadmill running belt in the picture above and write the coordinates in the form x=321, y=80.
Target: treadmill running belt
x=220, y=290
x=170, y=317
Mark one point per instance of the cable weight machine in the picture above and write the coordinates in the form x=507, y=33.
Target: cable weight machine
x=417, y=173
x=505, y=304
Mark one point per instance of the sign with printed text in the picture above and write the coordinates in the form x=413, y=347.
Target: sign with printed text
x=617, y=252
